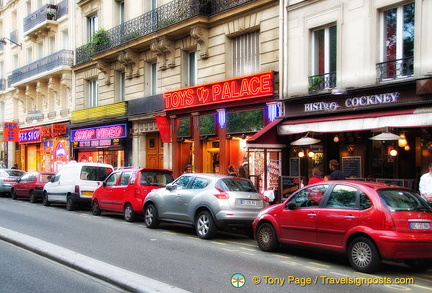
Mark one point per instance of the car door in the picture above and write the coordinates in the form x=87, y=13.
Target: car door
x=106, y=194
x=297, y=222
x=171, y=205
x=19, y=187
x=119, y=191
x=339, y=215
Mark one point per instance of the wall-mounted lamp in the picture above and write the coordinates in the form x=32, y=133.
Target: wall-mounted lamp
x=243, y=136
x=3, y=40
x=402, y=142
x=301, y=154
x=229, y=137
x=393, y=152
x=336, y=138
x=407, y=148
x=311, y=154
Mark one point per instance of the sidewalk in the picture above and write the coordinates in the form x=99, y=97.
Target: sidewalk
x=124, y=279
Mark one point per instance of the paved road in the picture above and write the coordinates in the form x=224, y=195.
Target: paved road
x=174, y=256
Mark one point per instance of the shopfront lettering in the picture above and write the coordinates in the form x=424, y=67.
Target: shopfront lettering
x=372, y=100
x=99, y=133
x=247, y=87
x=321, y=106
x=27, y=136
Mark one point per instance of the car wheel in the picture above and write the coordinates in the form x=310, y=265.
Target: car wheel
x=129, y=214
x=419, y=265
x=45, y=200
x=151, y=217
x=14, y=195
x=205, y=226
x=32, y=197
x=96, y=211
x=363, y=255
x=266, y=237
x=70, y=205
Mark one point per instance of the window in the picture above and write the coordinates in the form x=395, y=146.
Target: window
x=29, y=55
x=92, y=95
x=124, y=178
x=246, y=121
x=92, y=26
x=199, y=183
x=207, y=125
x=51, y=45
x=112, y=179
x=310, y=197
x=398, y=41
x=183, y=181
x=190, y=68
x=65, y=40
x=151, y=79
x=246, y=54
x=323, y=59
x=184, y=128
x=342, y=196
x=120, y=86
x=120, y=12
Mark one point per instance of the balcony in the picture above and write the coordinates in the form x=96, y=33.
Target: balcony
x=3, y=84
x=45, y=20
x=395, y=69
x=165, y=16
x=44, y=65
x=322, y=82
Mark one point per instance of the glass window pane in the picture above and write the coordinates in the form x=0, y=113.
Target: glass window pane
x=207, y=125
x=184, y=128
x=390, y=26
x=248, y=121
x=408, y=30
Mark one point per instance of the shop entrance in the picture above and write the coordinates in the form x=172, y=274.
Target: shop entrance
x=211, y=158
x=154, y=151
x=113, y=157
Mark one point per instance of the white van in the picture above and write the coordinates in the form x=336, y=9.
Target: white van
x=75, y=183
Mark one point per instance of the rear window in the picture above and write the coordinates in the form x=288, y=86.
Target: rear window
x=16, y=173
x=155, y=178
x=402, y=200
x=236, y=184
x=93, y=173
x=45, y=177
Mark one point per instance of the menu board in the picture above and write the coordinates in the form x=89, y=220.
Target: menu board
x=294, y=166
x=351, y=166
x=289, y=184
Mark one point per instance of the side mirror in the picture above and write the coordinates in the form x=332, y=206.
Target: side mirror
x=291, y=205
x=52, y=179
x=171, y=187
x=18, y=180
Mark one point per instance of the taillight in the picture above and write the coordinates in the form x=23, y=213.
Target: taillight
x=222, y=194
x=77, y=189
x=9, y=180
x=387, y=223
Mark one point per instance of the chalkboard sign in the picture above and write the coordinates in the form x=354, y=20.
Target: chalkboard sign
x=351, y=166
x=294, y=166
x=288, y=185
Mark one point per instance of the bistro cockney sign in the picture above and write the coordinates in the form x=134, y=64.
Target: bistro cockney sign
x=247, y=87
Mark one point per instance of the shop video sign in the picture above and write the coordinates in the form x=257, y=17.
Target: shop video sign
x=247, y=87
x=98, y=136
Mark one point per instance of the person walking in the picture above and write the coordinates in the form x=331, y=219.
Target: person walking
x=335, y=174
x=425, y=185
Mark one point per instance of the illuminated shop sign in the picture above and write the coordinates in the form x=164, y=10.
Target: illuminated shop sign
x=30, y=136
x=97, y=143
x=99, y=133
x=248, y=87
x=353, y=102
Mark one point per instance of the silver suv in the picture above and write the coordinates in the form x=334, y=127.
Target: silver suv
x=206, y=201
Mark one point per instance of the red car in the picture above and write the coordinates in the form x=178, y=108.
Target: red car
x=124, y=191
x=30, y=185
x=369, y=222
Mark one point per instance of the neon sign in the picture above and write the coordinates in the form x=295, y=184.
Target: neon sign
x=97, y=133
x=252, y=86
x=29, y=136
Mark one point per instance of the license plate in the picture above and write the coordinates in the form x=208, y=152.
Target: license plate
x=419, y=225
x=88, y=193
x=248, y=202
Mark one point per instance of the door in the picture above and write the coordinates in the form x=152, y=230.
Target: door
x=106, y=195
x=154, y=150
x=173, y=201
x=120, y=192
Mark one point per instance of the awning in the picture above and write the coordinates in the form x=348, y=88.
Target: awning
x=419, y=117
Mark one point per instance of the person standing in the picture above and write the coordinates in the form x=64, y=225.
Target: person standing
x=425, y=185
x=2, y=165
x=231, y=171
x=316, y=177
x=336, y=174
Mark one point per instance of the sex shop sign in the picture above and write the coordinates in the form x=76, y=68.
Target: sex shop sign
x=247, y=87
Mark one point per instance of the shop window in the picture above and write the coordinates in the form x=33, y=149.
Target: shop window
x=247, y=121
x=207, y=125
x=246, y=54
x=397, y=42
x=184, y=128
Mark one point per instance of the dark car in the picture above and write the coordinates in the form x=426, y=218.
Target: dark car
x=369, y=222
x=8, y=178
x=125, y=189
x=31, y=185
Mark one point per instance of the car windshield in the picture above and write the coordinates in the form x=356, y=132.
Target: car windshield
x=402, y=200
x=16, y=173
x=94, y=173
x=45, y=177
x=236, y=184
x=156, y=178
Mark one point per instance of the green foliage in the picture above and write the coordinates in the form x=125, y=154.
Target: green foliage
x=247, y=121
x=207, y=125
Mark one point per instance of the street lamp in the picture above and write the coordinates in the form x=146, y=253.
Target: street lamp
x=3, y=40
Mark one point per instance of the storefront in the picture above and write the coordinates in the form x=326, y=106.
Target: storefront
x=102, y=144
x=210, y=124
x=346, y=128
x=43, y=148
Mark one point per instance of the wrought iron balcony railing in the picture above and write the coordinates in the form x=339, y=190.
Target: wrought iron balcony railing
x=395, y=69
x=164, y=16
x=2, y=84
x=321, y=82
x=58, y=59
x=46, y=12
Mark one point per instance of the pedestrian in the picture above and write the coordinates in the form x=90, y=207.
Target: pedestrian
x=72, y=160
x=15, y=166
x=336, y=174
x=242, y=172
x=231, y=171
x=187, y=169
x=2, y=165
x=425, y=185
x=316, y=177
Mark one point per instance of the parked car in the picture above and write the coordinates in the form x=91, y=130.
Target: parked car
x=30, y=185
x=206, y=201
x=369, y=222
x=124, y=191
x=75, y=183
x=8, y=178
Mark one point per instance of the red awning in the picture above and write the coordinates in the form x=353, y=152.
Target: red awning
x=267, y=134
